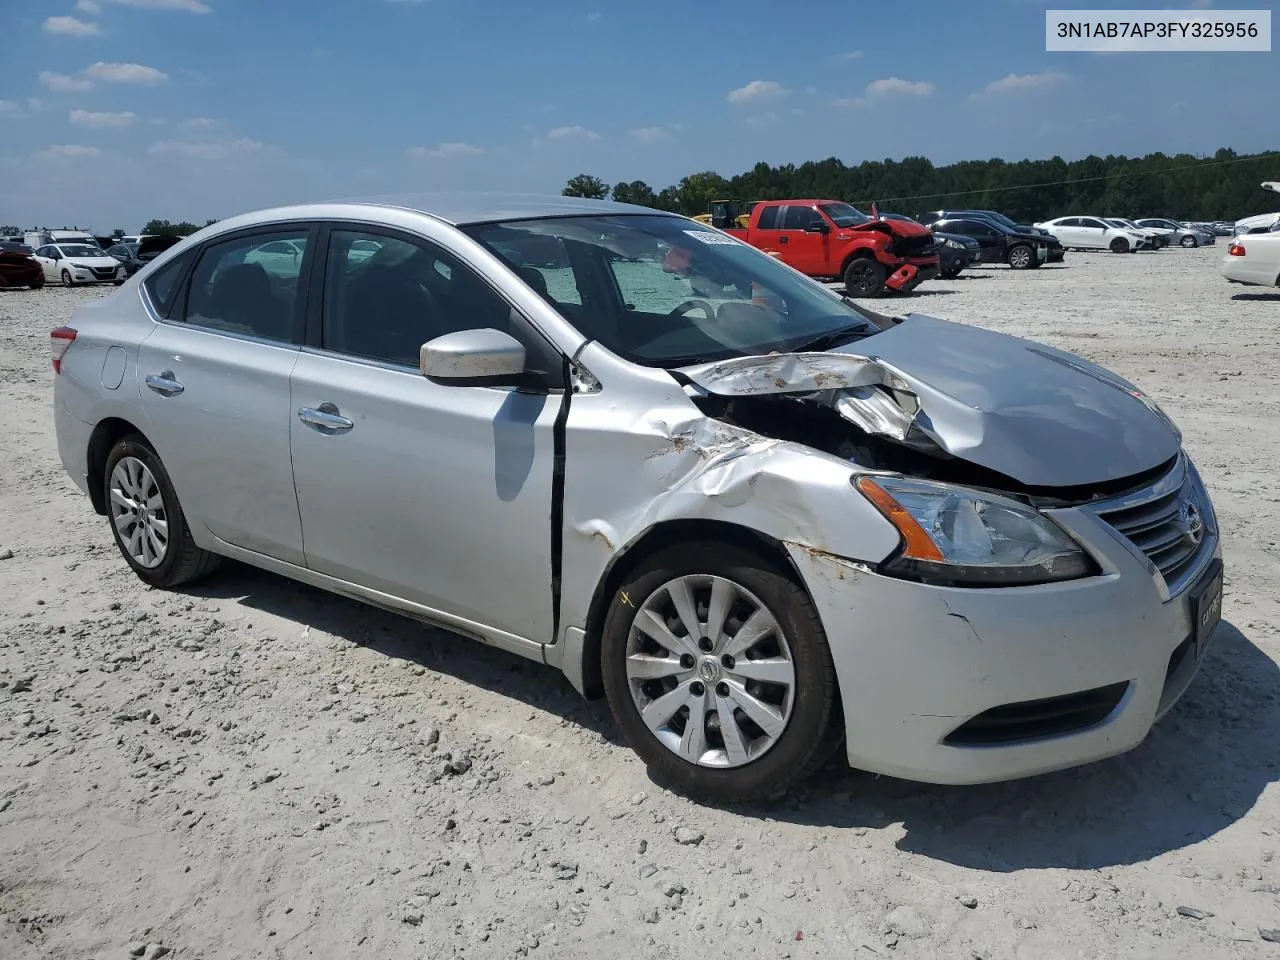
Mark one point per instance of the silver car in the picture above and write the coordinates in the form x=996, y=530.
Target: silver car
x=762, y=521
x=1182, y=235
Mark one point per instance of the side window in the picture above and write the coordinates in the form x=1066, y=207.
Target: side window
x=249, y=285
x=768, y=219
x=798, y=218
x=163, y=285
x=44, y=252
x=976, y=228
x=385, y=296
x=1096, y=224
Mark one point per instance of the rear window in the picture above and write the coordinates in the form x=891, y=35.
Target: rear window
x=163, y=284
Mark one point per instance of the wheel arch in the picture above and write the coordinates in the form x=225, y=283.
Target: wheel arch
x=657, y=537
x=859, y=253
x=104, y=437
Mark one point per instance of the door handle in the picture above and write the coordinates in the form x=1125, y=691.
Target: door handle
x=784, y=240
x=325, y=418
x=164, y=384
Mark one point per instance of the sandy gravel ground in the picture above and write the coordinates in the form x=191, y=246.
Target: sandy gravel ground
x=257, y=769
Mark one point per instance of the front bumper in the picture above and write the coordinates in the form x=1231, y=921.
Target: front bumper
x=916, y=662
x=912, y=272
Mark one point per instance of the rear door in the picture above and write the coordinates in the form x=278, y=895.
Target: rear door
x=436, y=494
x=215, y=387
x=767, y=232
x=46, y=257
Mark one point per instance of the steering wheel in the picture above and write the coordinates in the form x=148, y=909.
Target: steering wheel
x=694, y=304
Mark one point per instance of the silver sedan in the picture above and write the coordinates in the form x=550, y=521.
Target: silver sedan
x=765, y=523
x=1182, y=235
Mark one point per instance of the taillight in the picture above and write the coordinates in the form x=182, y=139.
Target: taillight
x=60, y=341
x=1236, y=250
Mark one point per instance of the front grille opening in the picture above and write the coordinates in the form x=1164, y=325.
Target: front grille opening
x=1170, y=530
x=1033, y=719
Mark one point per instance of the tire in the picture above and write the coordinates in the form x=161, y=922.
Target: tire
x=766, y=765
x=180, y=560
x=66, y=279
x=1188, y=241
x=950, y=274
x=1121, y=245
x=117, y=283
x=37, y=285
x=1021, y=257
x=864, y=277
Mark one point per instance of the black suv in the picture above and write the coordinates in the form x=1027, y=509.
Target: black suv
x=1057, y=252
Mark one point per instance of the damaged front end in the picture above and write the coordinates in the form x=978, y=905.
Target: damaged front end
x=942, y=401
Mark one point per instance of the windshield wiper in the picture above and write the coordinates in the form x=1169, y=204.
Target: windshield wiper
x=832, y=338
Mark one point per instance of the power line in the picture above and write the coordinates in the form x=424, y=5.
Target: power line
x=1063, y=183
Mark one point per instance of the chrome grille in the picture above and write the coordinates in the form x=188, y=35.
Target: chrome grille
x=1170, y=523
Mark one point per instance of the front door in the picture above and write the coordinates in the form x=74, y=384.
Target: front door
x=214, y=383
x=805, y=251
x=1093, y=233
x=438, y=495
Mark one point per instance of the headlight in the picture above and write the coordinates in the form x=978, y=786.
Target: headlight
x=962, y=537
x=954, y=244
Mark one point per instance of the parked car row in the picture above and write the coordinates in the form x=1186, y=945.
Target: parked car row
x=72, y=262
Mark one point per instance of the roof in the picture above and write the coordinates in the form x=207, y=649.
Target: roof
x=461, y=208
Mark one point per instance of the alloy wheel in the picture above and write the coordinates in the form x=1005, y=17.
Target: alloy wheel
x=138, y=512
x=710, y=671
x=1020, y=258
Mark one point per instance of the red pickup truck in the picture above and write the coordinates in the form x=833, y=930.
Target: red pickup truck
x=831, y=240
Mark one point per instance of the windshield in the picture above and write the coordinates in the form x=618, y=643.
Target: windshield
x=664, y=291
x=844, y=215
x=79, y=250
x=1000, y=218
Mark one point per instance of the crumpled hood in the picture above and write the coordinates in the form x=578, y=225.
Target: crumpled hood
x=1040, y=415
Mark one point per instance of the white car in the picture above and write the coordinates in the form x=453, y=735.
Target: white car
x=73, y=263
x=1094, y=233
x=1158, y=238
x=1253, y=259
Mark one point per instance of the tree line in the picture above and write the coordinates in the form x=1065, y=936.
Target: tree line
x=1180, y=186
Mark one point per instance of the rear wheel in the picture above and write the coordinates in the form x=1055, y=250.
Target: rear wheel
x=146, y=518
x=1021, y=257
x=864, y=277
x=1120, y=245
x=1188, y=241
x=717, y=671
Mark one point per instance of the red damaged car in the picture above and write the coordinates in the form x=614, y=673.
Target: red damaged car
x=18, y=268
x=831, y=240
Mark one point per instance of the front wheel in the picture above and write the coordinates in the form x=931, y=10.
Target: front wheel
x=66, y=279
x=146, y=518
x=1188, y=241
x=1120, y=245
x=718, y=673
x=864, y=277
x=1021, y=257
x=37, y=284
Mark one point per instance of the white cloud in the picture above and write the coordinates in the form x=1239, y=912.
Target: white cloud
x=892, y=85
x=575, y=132
x=204, y=151
x=445, y=150
x=593, y=18
x=125, y=73
x=9, y=109
x=61, y=83
x=888, y=87
x=88, y=6
x=650, y=135
x=190, y=6
x=86, y=118
x=70, y=150
x=848, y=55
x=198, y=123
x=1020, y=81
x=757, y=91
x=70, y=26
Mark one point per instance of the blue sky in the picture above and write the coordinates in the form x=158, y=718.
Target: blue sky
x=115, y=111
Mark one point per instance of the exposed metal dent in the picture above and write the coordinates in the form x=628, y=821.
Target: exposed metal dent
x=786, y=373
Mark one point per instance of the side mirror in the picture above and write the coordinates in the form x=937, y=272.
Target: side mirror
x=817, y=226
x=472, y=358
